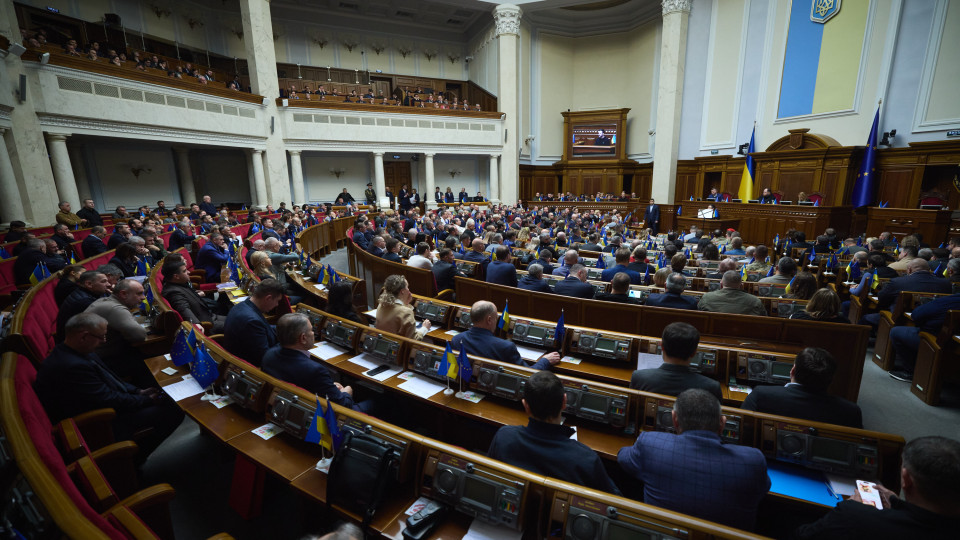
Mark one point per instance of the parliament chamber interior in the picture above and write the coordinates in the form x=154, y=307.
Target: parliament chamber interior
x=557, y=269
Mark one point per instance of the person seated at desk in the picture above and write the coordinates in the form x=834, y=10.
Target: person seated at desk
x=534, y=281
x=638, y=261
x=124, y=333
x=692, y=471
x=905, y=340
x=289, y=360
x=929, y=509
x=766, y=197
x=759, y=264
x=786, y=269
x=480, y=341
x=731, y=298
x=544, y=445
x=340, y=302
x=394, y=312
x=714, y=195
x=421, y=257
x=575, y=284
x=211, y=258
x=68, y=282
x=622, y=257
x=502, y=271
x=445, y=269
x=619, y=291
x=824, y=306
x=805, y=396
x=91, y=285
x=184, y=300
x=476, y=254
x=736, y=247
x=678, y=346
x=724, y=266
x=673, y=297
x=591, y=244
x=570, y=258
x=73, y=380
x=246, y=332
x=393, y=251
x=545, y=260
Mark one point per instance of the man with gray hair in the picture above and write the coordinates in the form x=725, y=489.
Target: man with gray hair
x=692, y=471
x=673, y=297
x=534, y=281
x=786, y=269
x=731, y=298
x=290, y=361
x=570, y=258
x=480, y=341
x=255, y=247
x=124, y=333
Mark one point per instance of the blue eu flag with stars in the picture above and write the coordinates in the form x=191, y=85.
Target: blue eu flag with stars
x=204, y=368
x=184, y=349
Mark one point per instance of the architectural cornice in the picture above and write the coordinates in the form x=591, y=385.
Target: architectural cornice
x=386, y=147
x=108, y=128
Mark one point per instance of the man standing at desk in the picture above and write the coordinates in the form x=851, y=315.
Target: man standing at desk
x=480, y=341
x=544, y=445
x=693, y=472
x=651, y=217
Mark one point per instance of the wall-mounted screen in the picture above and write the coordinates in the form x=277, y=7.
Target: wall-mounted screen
x=594, y=139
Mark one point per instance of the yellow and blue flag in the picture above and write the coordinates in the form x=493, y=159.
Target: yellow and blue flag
x=147, y=299
x=39, y=274
x=601, y=262
x=746, y=180
x=143, y=267
x=450, y=361
x=331, y=417
x=204, y=369
x=504, y=320
x=874, y=281
x=790, y=285
x=73, y=258
x=318, y=432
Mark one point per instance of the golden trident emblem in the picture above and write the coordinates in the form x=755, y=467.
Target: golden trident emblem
x=821, y=7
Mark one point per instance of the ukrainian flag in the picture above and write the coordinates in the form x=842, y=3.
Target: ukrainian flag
x=874, y=281
x=318, y=428
x=39, y=274
x=746, y=180
x=504, y=320
x=451, y=363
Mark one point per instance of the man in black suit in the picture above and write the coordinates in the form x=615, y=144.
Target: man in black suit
x=477, y=255
x=207, y=205
x=89, y=213
x=91, y=285
x=182, y=236
x=393, y=251
x=639, y=264
x=502, y=271
x=378, y=246
x=592, y=244
x=651, y=217
x=246, y=333
x=545, y=261
x=919, y=278
x=121, y=232
x=619, y=290
x=766, y=197
x=534, y=281
x=184, y=300
x=438, y=196
x=267, y=232
x=34, y=254
x=462, y=197
x=344, y=197
x=575, y=284
x=73, y=380
x=445, y=270
x=679, y=344
x=805, y=396
x=602, y=139
x=673, y=297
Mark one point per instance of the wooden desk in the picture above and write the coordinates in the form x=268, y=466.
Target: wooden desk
x=759, y=223
x=685, y=222
x=901, y=222
x=482, y=204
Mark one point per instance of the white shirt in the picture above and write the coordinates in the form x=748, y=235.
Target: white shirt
x=419, y=261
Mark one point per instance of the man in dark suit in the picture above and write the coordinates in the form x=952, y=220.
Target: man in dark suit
x=121, y=231
x=905, y=340
x=766, y=197
x=378, y=246
x=919, y=278
x=267, y=232
x=211, y=258
x=678, y=346
x=34, y=254
x=673, y=297
x=622, y=256
x=602, y=139
x=89, y=213
x=805, y=396
x=438, y=196
x=534, y=281
x=290, y=361
x=389, y=194
x=619, y=291
x=592, y=244
x=639, y=262
x=477, y=255
x=182, y=236
x=91, y=285
x=480, y=341
x=545, y=261
x=344, y=197
x=463, y=196
x=73, y=380
x=445, y=270
x=246, y=332
x=544, y=446
x=502, y=271
x=207, y=205
x=651, y=217
x=714, y=195
x=575, y=284
x=693, y=472
x=360, y=235
x=393, y=251
x=184, y=300
x=93, y=244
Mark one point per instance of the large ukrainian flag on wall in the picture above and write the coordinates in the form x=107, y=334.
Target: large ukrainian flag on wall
x=822, y=59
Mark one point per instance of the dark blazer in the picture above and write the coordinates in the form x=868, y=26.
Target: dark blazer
x=615, y=297
x=444, y=273
x=78, y=301
x=482, y=342
x=393, y=257
x=438, y=196
x=591, y=247
x=211, y=258
x=296, y=367
x=179, y=239
x=463, y=197
x=247, y=334
x=502, y=273
x=915, y=282
x=850, y=519
x=651, y=217
x=796, y=401
x=361, y=241
x=92, y=246
x=608, y=274
x=671, y=379
x=640, y=268
x=129, y=270
x=767, y=199
x=26, y=262
x=63, y=289
x=115, y=240
x=268, y=233
x=91, y=215
x=208, y=207
x=448, y=197
x=672, y=300
x=190, y=306
x=476, y=257
x=571, y=286
x=547, y=267
x=530, y=284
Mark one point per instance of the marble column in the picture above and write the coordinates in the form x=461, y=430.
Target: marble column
x=673, y=50
x=507, y=18
x=80, y=173
x=259, y=182
x=379, y=179
x=262, y=66
x=494, y=194
x=188, y=191
x=62, y=171
x=252, y=191
x=296, y=173
x=10, y=207
x=428, y=170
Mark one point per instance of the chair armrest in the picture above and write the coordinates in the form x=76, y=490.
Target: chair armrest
x=207, y=326
x=152, y=505
x=117, y=462
x=444, y=294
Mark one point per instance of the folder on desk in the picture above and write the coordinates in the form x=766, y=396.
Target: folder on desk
x=799, y=483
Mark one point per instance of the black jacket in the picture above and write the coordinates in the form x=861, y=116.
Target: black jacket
x=91, y=215
x=296, y=367
x=571, y=286
x=530, y=284
x=915, y=282
x=92, y=246
x=796, y=401
x=671, y=379
x=444, y=273
x=672, y=300
x=189, y=305
x=617, y=297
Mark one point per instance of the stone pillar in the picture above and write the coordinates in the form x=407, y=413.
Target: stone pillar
x=379, y=179
x=673, y=50
x=296, y=173
x=507, y=17
x=429, y=181
x=262, y=65
x=259, y=182
x=250, y=179
x=10, y=207
x=494, y=194
x=80, y=173
x=188, y=191
x=62, y=171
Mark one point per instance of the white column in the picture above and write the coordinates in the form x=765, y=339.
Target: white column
x=673, y=49
x=379, y=179
x=507, y=17
x=188, y=191
x=62, y=171
x=296, y=172
x=494, y=194
x=10, y=207
x=80, y=173
x=250, y=179
x=429, y=181
x=259, y=182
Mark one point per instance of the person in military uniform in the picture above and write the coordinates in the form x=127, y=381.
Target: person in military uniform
x=370, y=195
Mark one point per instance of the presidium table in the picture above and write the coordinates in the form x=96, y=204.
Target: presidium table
x=759, y=223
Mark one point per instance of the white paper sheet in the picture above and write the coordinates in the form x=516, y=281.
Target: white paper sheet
x=841, y=485
x=571, y=360
x=384, y=375
x=365, y=360
x=648, y=360
x=452, y=332
x=421, y=387
x=169, y=371
x=528, y=353
x=320, y=286
x=326, y=350
x=183, y=389
x=481, y=530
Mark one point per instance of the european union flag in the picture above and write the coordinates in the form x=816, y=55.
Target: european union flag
x=646, y=275
x=864, y=185
x=559, y=330
x=331, y=417
x=813, y=253
x=466, y=369
x=4, y=254
x=204, y=369
x=170, y=227
x=504, y=320
x=183, y=351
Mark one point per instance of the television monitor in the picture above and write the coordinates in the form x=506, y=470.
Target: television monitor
x=594, y=139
